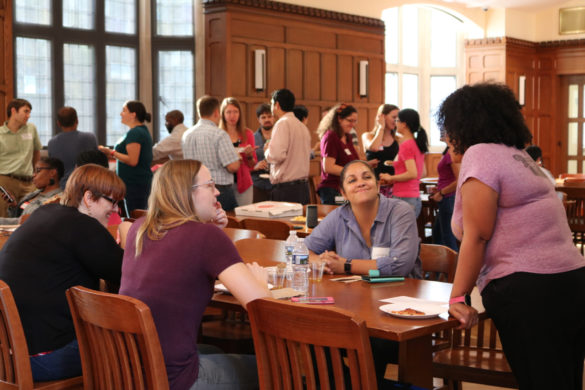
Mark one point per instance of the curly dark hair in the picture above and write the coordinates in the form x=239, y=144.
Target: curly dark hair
x=483, y=113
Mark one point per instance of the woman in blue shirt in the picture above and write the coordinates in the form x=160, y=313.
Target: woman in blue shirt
x=369, y=232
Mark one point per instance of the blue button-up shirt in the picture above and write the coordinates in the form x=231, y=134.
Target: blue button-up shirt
x=394, y=236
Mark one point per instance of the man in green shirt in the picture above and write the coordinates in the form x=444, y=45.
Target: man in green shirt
x=19, y=151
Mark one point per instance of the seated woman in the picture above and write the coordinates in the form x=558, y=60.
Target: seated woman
x=171, y=261
x=516, y=245
x=369, y=232
x=48, y=171
x=58, y=247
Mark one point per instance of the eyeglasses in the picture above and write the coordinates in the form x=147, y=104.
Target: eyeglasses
x=112, y=201
x=209, y=184
x=352, y=121
x=39, y=169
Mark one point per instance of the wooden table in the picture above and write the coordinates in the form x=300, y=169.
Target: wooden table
x=413, y=336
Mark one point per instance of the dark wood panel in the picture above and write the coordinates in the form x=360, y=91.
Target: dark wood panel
x=376, y=80
x=345, y=79
x=311, y=37
x=238, y=70
x=360, y=44
x=294, y=72
x=250, y=29
x=216, y=70
x=251, y=119
x=216, y=28
x=312, y=75
x=6, y=57
x=328, y=77
x=275, y=68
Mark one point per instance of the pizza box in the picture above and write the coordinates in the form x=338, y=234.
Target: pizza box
x=270, y=209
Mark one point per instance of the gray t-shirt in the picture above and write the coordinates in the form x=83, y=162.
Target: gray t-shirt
x=66, y=147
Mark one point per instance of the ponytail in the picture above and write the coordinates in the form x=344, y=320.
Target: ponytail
x=422, y=141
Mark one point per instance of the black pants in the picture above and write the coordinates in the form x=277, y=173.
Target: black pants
x=137, y=196
x=541, y=322
x=226, y=197
x=293, y=191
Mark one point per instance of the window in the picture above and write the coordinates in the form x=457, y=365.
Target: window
x=64, y=57
x=174, y=59
x=424, y=61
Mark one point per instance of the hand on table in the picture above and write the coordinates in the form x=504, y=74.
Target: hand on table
x=466, y=315
x=334, y=263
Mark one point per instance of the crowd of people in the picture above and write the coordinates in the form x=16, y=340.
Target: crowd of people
x=171, y=257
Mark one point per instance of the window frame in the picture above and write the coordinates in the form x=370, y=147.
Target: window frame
x=58, y=36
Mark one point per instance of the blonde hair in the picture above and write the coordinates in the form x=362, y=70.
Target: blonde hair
x=170, y=203
x=331, y=120
x=222, y=125
x=95, y=179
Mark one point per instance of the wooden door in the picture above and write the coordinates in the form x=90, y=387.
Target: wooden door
x=573, y=122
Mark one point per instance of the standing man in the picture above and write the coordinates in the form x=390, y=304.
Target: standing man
x=19, y=151
x=212, y=146
x=288, y=152
x=170, y=147
x=67, y=145
x=262, y=186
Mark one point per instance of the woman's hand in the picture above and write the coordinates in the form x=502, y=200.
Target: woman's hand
x=220, y=219
x=385, y=178
x=334, y=263
x=248, y=151
x=105, y=150
x=261, y=166
x=373, y=162
x=437, y=196
x=466, y=315
x=260, y=273
x=381, y=120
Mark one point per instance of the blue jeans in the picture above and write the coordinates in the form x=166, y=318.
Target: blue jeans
x=442, y=233
x=60, y=364
x=327, y=195
x=221, y=371
x=415, y=203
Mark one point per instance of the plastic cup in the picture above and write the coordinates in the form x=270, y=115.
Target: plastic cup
x=276, y=277
x=317, y=270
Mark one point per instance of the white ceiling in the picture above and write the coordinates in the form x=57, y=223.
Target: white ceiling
x=521, y=4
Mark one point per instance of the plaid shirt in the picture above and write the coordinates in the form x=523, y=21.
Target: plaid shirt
x=212, y=146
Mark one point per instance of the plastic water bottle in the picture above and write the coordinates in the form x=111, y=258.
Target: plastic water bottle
x=289, y=246
x=300, y=279
x=300, y=253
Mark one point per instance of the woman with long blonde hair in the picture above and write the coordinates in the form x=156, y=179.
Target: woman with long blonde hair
x=173, y=256
x=243, y=140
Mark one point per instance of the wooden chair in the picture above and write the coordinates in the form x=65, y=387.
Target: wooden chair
x=14, y=357
x=265, y=251
x=118, y=343
x=314, y=180
x=138, y=213
x=576, y=213
x=233, y=223
x=236, y=234
x=293, y=343
x=438, y=262
x=4, y=236
x=475, y=356
x=426, y=219
x=278, y=230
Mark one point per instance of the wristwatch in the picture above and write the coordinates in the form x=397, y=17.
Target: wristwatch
x=347, y=266
x=466, y=299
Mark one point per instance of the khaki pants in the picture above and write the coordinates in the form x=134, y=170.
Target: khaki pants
x=17, y=188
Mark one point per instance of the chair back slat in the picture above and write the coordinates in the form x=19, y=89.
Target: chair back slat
x=278, y=230
x=264, y=251
x=118, y=342
x=438, y=262
x=295, y=335
x=236, y=234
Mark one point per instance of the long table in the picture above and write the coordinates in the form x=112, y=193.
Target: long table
x=413, y=336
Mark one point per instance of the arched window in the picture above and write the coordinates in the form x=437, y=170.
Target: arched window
x=424, y=60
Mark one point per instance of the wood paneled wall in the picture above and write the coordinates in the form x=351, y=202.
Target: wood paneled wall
x=312, y=52
x=6, y=56
x=506, y=59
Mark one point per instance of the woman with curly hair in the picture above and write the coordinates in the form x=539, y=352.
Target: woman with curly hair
x=515, y=241
x=336, y=148
x=409, y=168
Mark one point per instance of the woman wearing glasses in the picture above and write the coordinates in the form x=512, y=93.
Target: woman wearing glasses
x=60, y=246
x=173, y=256
x=48, y=171
x=336, y=148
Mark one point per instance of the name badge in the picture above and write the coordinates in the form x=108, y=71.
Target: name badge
x=347, y=151
x=27, y=136
x=378, y=252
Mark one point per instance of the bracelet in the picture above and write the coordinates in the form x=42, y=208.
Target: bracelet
x=112, y=153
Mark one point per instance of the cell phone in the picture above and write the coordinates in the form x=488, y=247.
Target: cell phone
x=314, y=300
x=7, y=195
x=383, y=279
